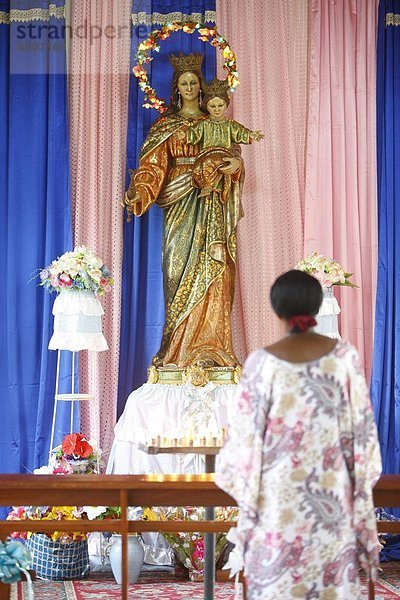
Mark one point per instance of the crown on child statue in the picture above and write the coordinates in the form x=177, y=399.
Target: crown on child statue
x=186, y=62
x=216, y=87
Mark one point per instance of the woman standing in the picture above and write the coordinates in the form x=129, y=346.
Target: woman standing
x=198, y=269
x=301, y=459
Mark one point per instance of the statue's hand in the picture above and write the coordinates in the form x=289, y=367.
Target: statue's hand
x=129, y=203
x=256, y=135
x=232, y=165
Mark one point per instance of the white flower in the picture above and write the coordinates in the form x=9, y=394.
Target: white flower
x=135, y=513
x=45, y=470
x=95, y=274
x=54, y=269
x=94, y=511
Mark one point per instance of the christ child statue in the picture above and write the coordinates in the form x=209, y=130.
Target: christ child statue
x=218, y=136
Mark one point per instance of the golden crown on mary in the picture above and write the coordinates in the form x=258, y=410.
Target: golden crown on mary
x=186, y=62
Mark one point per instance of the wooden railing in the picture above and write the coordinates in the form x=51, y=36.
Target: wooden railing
x=112, y=490
x=139, y=490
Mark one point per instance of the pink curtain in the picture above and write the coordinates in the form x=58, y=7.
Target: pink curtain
x=270, y=40
x=340, y=194
x=98, y=93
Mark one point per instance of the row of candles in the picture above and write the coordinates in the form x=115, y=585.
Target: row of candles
x=192, y=439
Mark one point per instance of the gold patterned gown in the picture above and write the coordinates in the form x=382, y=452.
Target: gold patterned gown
x=199, y=249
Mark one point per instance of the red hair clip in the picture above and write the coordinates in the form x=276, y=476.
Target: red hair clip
x=301, y=323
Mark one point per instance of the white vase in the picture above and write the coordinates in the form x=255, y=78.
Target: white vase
x=327, y=317
x=135, y=557
x=77, y=322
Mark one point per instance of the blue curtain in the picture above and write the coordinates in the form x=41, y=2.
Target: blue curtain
x=36, y=228
x=142, y=295
x=385, y=381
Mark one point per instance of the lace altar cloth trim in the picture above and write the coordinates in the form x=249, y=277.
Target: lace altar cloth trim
x=142, y=18
x=392, y=19
x=32, y=14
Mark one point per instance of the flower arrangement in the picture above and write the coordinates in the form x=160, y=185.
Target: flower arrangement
x=189, y=547
x=207, y=34
x=48, y=513
x=75, y=455
x=77, y=270
x=328, y=271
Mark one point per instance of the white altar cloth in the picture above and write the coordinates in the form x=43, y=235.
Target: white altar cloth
x=167, y=410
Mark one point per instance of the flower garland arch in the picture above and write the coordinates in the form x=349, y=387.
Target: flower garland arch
x=206, y=34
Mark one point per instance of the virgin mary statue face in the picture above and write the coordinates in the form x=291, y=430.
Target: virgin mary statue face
x=189, y=86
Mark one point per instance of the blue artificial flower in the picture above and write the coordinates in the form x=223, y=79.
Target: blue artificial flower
x=78, y=284
x=14, y=556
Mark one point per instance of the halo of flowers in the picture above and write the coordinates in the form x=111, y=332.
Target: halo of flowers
x=206, y=34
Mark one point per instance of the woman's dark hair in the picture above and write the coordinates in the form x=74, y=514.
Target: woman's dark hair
x=296, y=293
x=173, y=107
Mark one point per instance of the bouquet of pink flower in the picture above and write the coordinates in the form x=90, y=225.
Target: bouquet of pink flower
x=328, y=271
x=78, y=270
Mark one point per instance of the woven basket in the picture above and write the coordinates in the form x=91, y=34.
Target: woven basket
x=56, y=561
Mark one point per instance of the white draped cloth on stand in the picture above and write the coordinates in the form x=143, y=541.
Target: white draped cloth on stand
x=77, y=322
x=327, y=317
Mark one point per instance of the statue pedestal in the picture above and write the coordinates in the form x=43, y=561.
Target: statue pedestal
x=173, y=411
x=197, y=403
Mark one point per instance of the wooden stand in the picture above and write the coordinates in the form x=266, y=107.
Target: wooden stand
x=210, y=453
x=72, y=398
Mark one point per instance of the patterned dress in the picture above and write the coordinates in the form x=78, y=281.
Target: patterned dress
x=301, y=459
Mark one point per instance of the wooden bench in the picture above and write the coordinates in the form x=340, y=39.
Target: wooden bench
x=139, y=490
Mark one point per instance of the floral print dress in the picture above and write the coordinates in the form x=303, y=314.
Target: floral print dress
x=301, y=459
